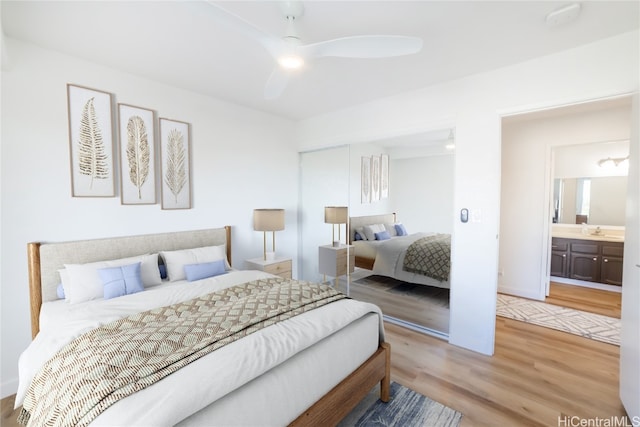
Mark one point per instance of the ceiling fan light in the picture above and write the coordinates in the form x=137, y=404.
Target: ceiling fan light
x=290, y=62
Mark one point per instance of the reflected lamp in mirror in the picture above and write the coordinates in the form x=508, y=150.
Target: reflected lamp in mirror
x=336, y=215
x=268, y=220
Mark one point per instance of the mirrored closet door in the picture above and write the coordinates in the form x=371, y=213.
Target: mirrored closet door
x=418, y=170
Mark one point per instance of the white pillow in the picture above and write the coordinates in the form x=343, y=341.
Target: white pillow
x=371, y=230
x=82, y=281
x=391, y=229
x=176, y=260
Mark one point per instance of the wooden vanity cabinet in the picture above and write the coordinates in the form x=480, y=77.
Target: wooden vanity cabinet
x=611, y=266
x=585, y=261
x=560, y=257
x=588, y=260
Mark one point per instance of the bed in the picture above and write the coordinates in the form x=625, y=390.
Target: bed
x=308, y=369
x=390, y=257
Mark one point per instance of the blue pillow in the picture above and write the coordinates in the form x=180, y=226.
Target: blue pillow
x=163, y=271
x=382, y=235
x=121, y=280
x=401, y=230
x=60, y=291
x=204, y=270
x=357, y=236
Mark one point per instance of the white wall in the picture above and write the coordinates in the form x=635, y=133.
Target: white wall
x=474, y=106
x=241, y=159
x=526, y=181
x=421, y=192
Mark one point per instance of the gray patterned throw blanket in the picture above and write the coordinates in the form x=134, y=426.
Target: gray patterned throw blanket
x=115, y=360
x=430, y=256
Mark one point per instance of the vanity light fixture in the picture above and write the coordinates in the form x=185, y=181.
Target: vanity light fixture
x=268, y=220
x=335, y=215
x=614, y=160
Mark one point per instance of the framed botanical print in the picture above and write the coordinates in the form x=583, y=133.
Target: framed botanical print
x=137, y=155
x=176, y=167
x=91, y=142
x=375, y=178
x=384, y=176
x=365, y=180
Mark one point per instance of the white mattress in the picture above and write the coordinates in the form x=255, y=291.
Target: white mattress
x=239, y=369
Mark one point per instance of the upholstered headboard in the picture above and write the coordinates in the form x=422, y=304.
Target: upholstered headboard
x=360, y=221
x=45, y=259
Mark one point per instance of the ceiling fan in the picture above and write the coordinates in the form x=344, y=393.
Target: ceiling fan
x=290, y=53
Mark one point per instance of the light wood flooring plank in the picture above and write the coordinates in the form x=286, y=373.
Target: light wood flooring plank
x=596, y=301
x=535, y=376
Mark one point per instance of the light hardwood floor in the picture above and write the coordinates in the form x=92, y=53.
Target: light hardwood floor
x=401, y=306
x=586, y=299
x=535, y=376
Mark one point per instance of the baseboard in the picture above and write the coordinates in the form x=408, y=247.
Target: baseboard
x=516, y=292
x=7, y=388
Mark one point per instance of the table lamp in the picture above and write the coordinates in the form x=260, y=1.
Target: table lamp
x=335, y=215
x=268, y=220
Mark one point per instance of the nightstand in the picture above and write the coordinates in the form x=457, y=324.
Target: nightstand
x=333, y=261
x=279, y=266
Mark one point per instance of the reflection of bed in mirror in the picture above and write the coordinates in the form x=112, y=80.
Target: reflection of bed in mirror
x=380, y=249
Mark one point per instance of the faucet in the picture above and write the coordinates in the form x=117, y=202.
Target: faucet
x=598, y=231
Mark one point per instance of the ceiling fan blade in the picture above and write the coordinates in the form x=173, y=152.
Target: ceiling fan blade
x=274, y=45
x=277, y=82
x=364, y=47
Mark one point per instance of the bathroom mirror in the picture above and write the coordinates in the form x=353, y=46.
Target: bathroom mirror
x=590, y=183
x=596, y=200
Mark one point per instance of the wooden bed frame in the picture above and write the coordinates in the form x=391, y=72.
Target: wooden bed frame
x=329, y=410
x=361, y=221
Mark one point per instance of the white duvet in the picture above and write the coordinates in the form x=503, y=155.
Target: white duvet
x=210, y=378
x=390, y=260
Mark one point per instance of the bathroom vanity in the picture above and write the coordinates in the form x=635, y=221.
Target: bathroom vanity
x=588, y=257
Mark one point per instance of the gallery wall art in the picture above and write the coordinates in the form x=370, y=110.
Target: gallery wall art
x=153, y=153
x=374, y=178
x=91, y=142
x=365, y=180
x=175, y=158
x=137, y=155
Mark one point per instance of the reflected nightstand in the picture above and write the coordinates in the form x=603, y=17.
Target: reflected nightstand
x=336, y=261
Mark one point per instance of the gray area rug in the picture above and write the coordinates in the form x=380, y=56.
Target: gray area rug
x=406, y=408
x=588, y=325
x=436, y=296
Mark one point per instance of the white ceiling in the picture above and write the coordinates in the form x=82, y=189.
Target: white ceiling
x=178, y=43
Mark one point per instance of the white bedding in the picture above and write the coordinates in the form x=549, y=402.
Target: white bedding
x=389, y=259
x=212, y=377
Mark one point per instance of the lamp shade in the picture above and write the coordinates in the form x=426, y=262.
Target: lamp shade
x=268, y=219
x=336, y=214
